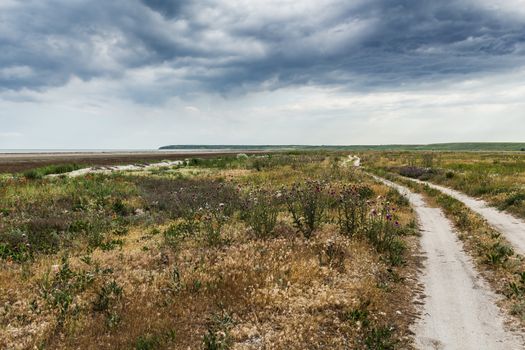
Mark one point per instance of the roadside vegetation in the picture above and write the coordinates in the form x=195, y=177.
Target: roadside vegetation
x=281, y=251
x=498, y=178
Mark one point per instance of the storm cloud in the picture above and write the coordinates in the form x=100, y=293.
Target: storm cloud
x=235, y=45
x=144, y=73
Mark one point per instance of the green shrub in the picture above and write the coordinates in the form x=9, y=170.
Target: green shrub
x=383, y=232
x=307, y=203
x=352, y=208
x=499, y=253
x=174, y=234
x=213, y=220
x=107, y=296
x=260, y=210
x=59, y=289
x=513, y=199
x=14, y=245
x=39, y=173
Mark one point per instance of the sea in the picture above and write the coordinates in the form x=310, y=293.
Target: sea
x=185, y=150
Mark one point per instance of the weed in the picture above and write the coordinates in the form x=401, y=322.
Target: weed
x=260, y=211
x=379, y=338
x=147, y=342
x=307, y=203
x=59, y=290
x=111, y=244
x=217, y=336
x=383, y=231
x=174, y=234
x=499, y=253
x=213, y=220
x=108, y=294
x=352, y=208
x=14, y=245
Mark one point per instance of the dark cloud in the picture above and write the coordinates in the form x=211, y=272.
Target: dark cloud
x=230, y=46
x=166, y=8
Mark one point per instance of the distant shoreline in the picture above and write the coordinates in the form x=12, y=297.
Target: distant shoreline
x=454, y=146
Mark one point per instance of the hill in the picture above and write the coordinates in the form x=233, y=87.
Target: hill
x=460, y=146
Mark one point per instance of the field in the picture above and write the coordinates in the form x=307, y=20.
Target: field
x=499, y=178
x=282, y=251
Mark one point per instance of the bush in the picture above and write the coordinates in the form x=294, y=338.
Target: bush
x=307, y=203
x=14, y=245
x=499, y=253
x=514, y=199
x=182, y=198
x=147, y=342
x=60, y=289
x=352, y=208
x=39, y=173
x=260, y=211
x=383, y=232
x=174, y=234
x=108, y=295
x=213, y=220
x=415, y=172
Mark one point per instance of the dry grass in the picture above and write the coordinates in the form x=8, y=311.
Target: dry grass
x=283, y=292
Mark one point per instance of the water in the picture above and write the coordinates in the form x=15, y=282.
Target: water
x=185, y=150
x=41, y=150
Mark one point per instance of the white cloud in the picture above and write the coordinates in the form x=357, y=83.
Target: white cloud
x=92, y=115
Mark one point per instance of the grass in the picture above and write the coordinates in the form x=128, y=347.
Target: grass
x=207, y=255
x=498, y=178
x=39, y=173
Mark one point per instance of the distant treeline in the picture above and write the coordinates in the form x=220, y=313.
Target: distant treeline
x=474, y=146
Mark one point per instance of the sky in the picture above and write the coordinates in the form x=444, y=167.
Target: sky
x=146, y=73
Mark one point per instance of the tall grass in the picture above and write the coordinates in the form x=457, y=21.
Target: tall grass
x=39, y=173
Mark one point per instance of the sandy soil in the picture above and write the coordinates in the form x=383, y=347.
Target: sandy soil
x=511, y=227
x=459, y=310
x=356, y=161
x=110, y=169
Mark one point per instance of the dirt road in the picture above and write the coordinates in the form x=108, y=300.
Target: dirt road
x=459, y=310
x=511, y=227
